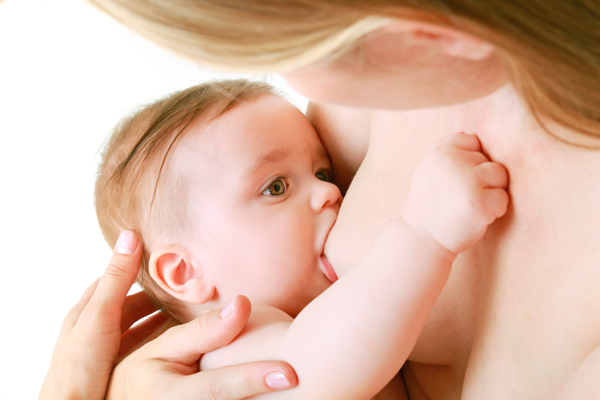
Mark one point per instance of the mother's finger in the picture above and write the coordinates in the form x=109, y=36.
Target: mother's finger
x=74, y=313
x=136, y=307
x=109, y=297
x=185, y=343
x=133, y=337
x=237, y=381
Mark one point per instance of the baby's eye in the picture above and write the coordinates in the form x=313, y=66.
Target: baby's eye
x=276, y=188
x=322, y=176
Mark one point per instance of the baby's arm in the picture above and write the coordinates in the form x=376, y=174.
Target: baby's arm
x=351, y=340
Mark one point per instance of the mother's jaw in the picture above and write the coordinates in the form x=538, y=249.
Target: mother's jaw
x=406, y=65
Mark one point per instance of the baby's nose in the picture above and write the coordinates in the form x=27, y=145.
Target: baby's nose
x=325, y=194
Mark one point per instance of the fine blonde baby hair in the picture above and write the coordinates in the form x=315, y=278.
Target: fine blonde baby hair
x=139, y=187
x=550, y=46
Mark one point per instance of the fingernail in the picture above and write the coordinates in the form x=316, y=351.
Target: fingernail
x=228, y=309
x=126, y=243
x=277, y=380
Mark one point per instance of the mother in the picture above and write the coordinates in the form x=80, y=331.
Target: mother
x=520, y=315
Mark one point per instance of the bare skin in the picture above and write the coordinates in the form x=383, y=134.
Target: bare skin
x=519, y=318
x=521, y=310
x=97, y=332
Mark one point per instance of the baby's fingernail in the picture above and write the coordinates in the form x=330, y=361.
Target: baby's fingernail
x=277, y=380
x=127, y=243
x=228, y=309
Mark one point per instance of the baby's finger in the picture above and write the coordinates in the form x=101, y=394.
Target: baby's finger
x=475, y=157
x=136, y=306
x=495, y=200
x=492, y=175
x=463, y=141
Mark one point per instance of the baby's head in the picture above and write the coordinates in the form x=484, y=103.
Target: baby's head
x=227, y=185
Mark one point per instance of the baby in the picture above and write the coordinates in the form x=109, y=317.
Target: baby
x=230, y=189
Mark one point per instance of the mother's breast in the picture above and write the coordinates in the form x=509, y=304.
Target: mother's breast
x=397, y=142
x=522, y=308
x=392, y=144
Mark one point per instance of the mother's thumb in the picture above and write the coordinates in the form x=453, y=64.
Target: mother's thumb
x=186, y=343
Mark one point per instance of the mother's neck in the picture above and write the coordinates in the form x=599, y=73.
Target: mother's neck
x=508, y=132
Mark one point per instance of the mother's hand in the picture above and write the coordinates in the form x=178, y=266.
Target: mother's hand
x=168, y=368
x=97, y=331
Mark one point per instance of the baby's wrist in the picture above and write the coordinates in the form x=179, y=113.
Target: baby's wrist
x=427, y=240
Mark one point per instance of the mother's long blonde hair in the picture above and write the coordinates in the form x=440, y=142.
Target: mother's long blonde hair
x=551, y=47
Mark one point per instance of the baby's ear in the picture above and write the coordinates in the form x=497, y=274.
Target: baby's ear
x=172, y=269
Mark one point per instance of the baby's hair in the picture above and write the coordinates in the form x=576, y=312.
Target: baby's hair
x=137, y=188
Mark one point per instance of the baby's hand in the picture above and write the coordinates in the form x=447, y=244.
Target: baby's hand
x=456, y=192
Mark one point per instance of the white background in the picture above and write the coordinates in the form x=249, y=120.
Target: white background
x=68, y=73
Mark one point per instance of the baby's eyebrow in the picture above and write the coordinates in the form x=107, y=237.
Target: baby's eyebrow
x=269, y=158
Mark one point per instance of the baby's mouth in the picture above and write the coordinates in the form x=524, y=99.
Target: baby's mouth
x=327, y=269
x=324, y=263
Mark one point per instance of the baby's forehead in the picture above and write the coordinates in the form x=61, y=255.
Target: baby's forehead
x=240, y=148
x=251, y=128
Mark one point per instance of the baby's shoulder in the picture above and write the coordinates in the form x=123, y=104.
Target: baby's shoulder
x=263, y=317
x=258, y=341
